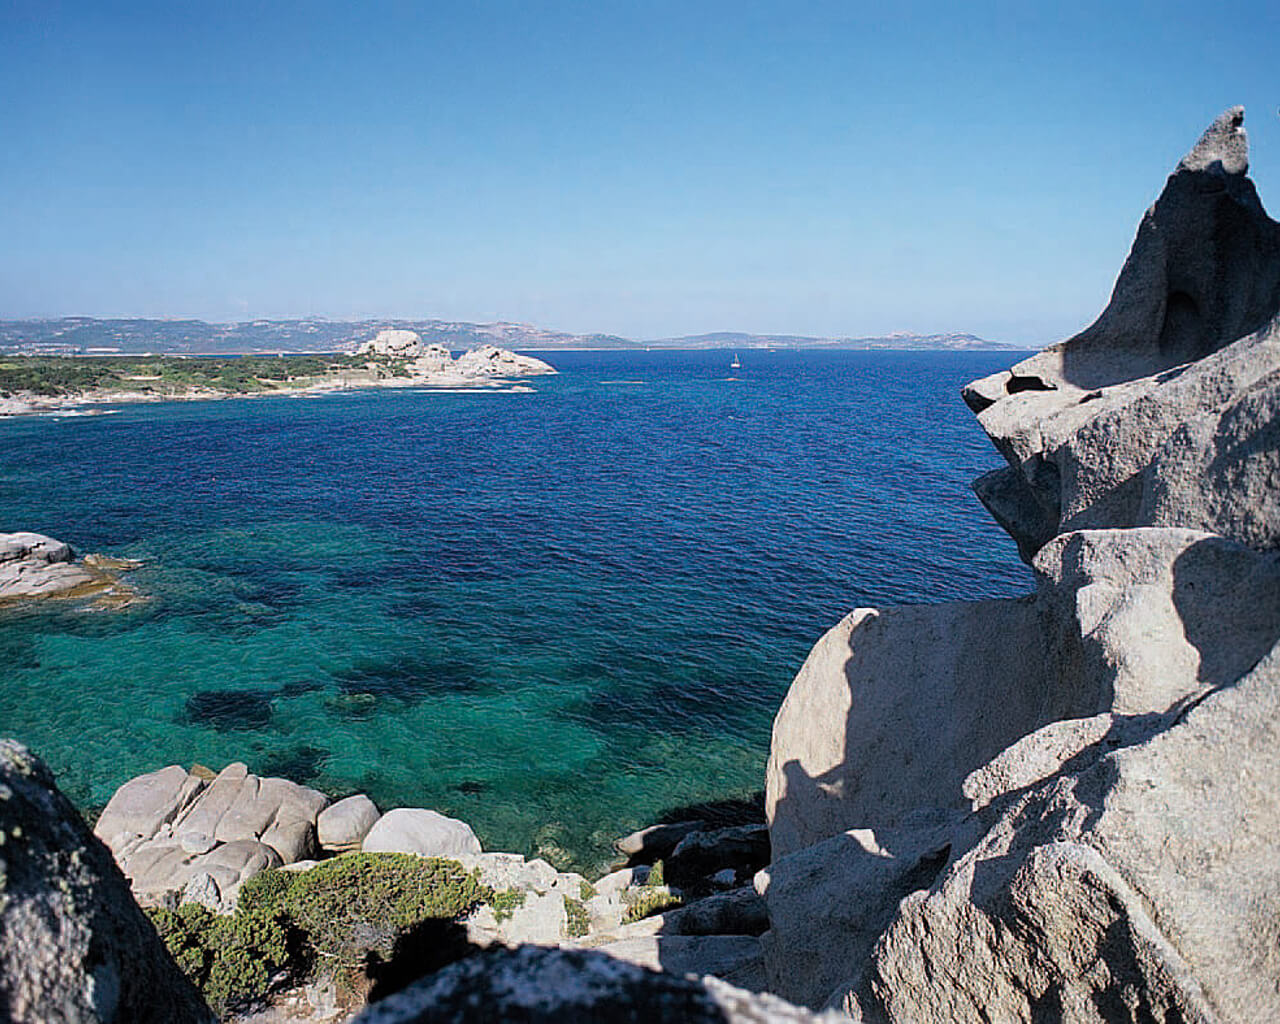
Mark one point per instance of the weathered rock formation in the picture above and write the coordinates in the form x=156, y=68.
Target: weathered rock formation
x=1067, y=806
x=491, y=361
x=33, y=565
x=1190, y=329
x=74, y=947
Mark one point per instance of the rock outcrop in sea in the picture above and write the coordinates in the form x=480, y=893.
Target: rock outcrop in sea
x=35, y=566
x=1067, y=806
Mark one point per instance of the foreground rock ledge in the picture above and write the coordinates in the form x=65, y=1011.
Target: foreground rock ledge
x=535, y=985
x=74, y=947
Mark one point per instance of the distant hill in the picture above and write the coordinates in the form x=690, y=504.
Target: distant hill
x=88, y=335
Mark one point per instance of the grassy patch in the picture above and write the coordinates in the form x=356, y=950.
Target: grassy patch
x=647, y=901
x=69, y=375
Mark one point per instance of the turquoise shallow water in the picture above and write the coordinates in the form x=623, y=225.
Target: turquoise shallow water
x=556, y=615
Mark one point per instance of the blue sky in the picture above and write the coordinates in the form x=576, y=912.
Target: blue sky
x=644, y=169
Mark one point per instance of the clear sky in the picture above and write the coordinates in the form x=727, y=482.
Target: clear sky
x=646, y=169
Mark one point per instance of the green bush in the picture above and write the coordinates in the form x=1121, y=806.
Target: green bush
x=506, y=903
x=351, y=906
x=577, y=920
x=230, y=959
x=342, y=918
x=586, y=891
x=656, y=874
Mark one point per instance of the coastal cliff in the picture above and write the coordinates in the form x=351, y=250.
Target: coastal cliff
x=1064, y=806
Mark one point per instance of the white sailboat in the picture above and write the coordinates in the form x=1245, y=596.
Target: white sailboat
x=735, y=365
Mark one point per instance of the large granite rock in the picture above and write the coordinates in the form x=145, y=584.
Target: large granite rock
x=74, y=947
x=571, y=986
x=1065, y=807
x=415, y=830
x=1220, y=469
x=33, y=565
x=1135, y=627
x=894, y=708
x=1191, y=325
x=1140, y=881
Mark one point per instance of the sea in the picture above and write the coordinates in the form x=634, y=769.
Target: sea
x=558, y=614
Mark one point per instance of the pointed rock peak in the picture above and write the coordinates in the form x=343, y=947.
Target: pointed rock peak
x=1223, y=148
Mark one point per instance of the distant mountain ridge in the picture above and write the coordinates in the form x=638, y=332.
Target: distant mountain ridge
x=79, y=335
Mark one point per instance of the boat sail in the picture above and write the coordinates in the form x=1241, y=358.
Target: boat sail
x=735, y=365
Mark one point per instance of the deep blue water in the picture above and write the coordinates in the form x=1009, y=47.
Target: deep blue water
x=556, y=615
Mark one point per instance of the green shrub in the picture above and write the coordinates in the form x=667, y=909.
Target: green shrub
x=506, y=903
x=586, y=891
x=230, y=959
x=577, y=920
x=656, y=875
x=351, y=906
x=343, y=917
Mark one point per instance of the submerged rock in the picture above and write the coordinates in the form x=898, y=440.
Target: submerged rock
x=73, y=944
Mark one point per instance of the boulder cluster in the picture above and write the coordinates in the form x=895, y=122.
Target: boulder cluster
x=1067, y=806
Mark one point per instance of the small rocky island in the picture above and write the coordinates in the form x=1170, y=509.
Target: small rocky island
x=1059, y=807
x=392, y=358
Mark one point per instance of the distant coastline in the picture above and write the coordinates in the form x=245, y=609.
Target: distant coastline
x=90, y=336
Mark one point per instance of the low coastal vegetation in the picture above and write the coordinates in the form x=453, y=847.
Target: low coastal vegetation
x=165, y=375
x=349, y=919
